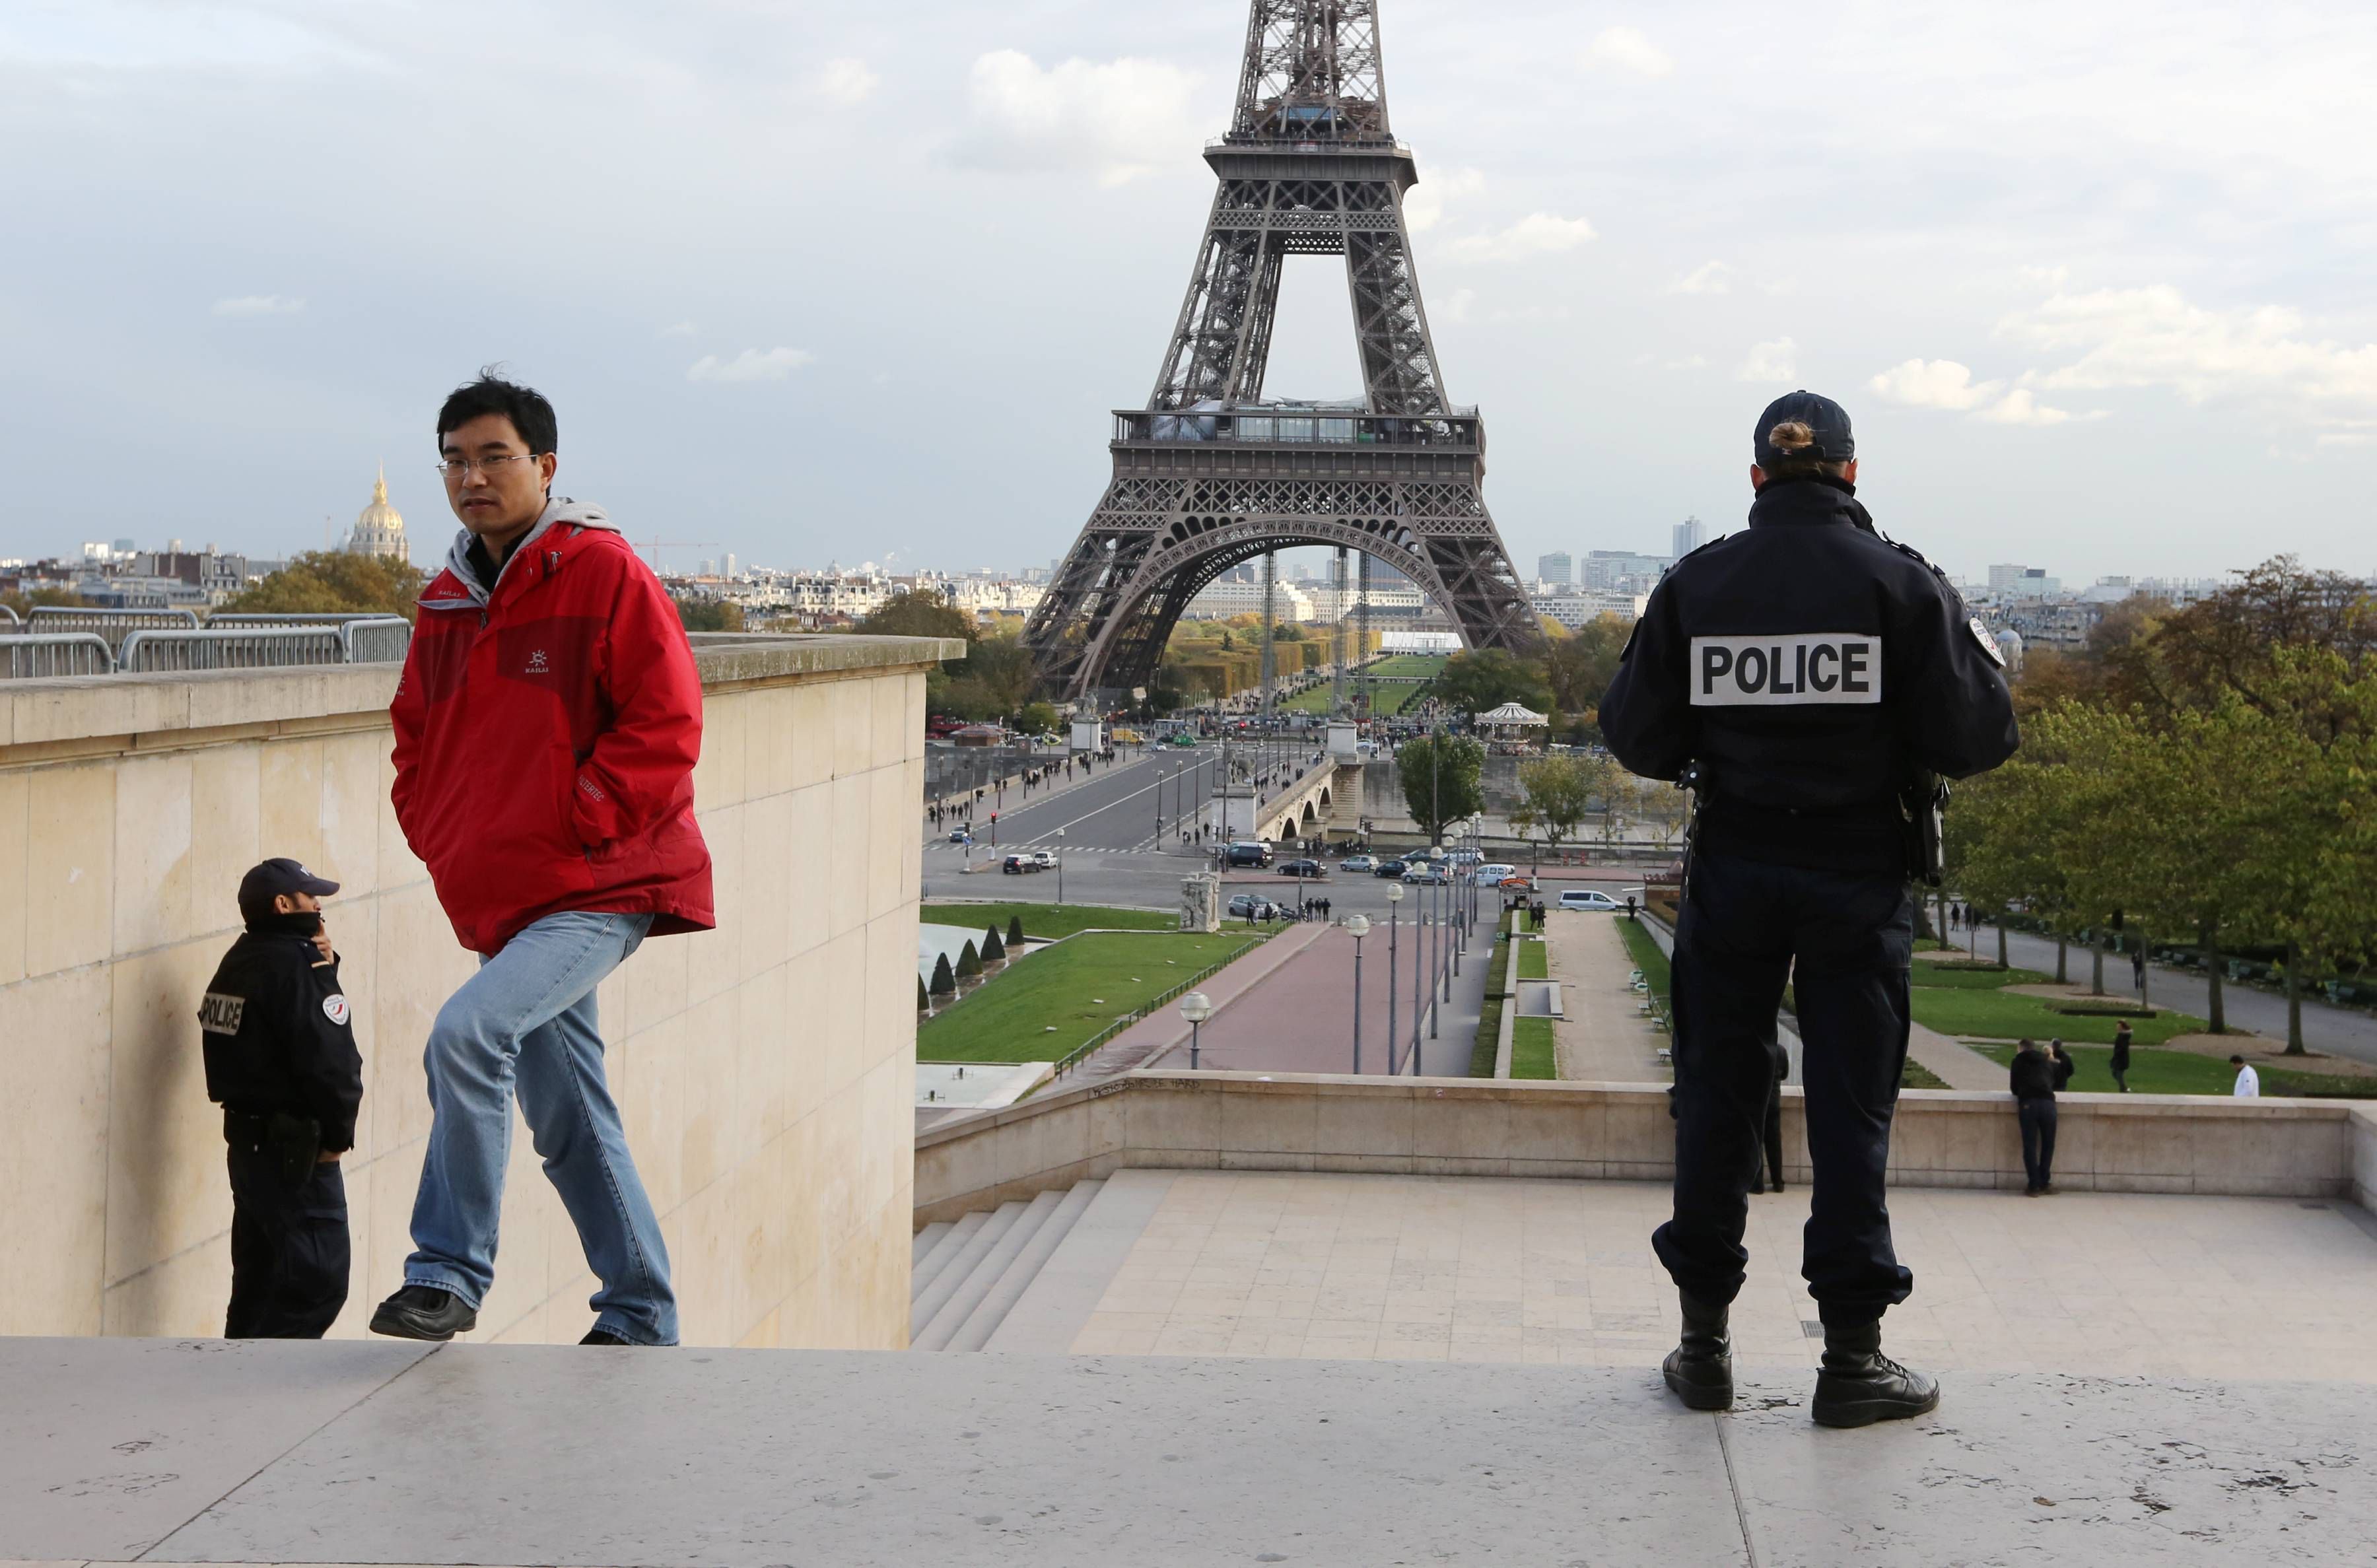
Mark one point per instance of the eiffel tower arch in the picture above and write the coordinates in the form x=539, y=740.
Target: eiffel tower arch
x=1211, y=475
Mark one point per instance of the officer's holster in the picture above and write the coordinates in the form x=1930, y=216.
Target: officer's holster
x=294, y=1141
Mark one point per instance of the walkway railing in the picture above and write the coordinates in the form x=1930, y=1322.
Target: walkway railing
x=111, y=625
x=381, y=639
x=42, y=655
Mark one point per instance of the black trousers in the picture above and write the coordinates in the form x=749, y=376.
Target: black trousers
x=1771, y=1138
x=2037, y=1140
x=289, y=1252
x=1846, y=941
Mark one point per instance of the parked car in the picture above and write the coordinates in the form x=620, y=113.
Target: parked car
x=1426, y=876
x=1302, y=868
x=1588, y=898
x=1387, y=869
x=1464, y=857
x=1128, y=737
x=1181, y=738
x=1363, y=864
x=1016, y=865
x=1250, y=854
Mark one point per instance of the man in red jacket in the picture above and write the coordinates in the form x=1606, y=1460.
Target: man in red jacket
x=546, y=729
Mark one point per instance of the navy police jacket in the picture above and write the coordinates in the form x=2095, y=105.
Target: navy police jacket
x=1809, y=666
x=279, y=1035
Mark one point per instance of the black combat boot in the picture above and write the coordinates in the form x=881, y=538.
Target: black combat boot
x=1859, y=1385
x=423, y=1311
x=1701, y=1369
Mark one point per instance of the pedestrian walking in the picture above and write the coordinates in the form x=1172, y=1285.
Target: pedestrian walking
x=1770, y=1132
x=278, y=1036
x=2120, y=1058
x=2249, y=1083
x=2031, y=1079
x=547, y=723
x=1797, y=672
x=2064, y=1066
x=2138, y=969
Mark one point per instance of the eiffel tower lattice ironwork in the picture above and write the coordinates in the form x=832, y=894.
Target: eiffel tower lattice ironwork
x=1210, y=475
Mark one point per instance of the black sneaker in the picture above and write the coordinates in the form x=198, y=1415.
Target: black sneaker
x=604, y=1337
x=423, y=1311
x=1859, y=1385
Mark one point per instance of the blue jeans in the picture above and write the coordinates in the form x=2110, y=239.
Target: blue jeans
x=526, y=1020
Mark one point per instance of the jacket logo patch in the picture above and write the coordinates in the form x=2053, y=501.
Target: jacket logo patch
x=536, y=663
x=1805, y=669
x=220, y=1014
x=336, y=1010
x=1989, y=644
x=588, y=786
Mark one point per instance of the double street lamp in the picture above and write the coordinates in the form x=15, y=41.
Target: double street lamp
x=1394, y=897
x=1358, y=926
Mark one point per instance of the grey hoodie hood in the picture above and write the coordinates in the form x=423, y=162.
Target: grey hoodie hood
x=559, y=509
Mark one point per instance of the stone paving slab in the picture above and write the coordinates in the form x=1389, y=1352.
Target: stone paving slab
x=109, y=1445
x=488, y=1454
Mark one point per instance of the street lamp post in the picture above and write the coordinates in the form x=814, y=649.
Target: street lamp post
x=1358, y=926
x=1419, y=963
x=1060, y=867
x=1195, y=1008
x=1394, y=897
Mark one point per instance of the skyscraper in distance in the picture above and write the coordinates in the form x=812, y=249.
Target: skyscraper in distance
x=1686, y=537
x=1554, y=567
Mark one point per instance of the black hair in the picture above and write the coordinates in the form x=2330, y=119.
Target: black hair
x=524, y=406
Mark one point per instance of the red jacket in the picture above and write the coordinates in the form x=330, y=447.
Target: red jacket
x=546, y=736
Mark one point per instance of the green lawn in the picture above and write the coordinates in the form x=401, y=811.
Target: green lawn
x=1048, y=921
x=1531, y=1049
x=1535, y=961
x=1425, y=666
x=1999, y=1015
x=1045, y=1006
x=1975, y=979
x=1645, y=954
x=2183, y=1072
x=1918, y=1076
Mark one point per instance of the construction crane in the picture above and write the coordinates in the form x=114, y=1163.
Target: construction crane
x=657, y=546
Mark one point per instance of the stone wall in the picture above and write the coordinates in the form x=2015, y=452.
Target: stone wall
x=1600, y=1131
x=764, y=1069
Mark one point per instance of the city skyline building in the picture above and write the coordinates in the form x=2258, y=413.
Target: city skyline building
x=1559, y=568
x=380, y=527
x=1686, y=537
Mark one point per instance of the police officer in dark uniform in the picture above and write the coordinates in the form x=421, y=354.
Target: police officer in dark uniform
x=1805, y=677
x=282, y=1062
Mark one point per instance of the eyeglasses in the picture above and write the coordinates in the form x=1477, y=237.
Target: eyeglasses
x=492, y=467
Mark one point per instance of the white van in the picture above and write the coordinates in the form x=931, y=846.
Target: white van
x=1588, y=898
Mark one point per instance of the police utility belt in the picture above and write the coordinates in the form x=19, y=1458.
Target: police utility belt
x=295, y=1142
x=1916, y=834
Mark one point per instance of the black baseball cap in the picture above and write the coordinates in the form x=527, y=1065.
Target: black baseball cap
x=259, y=887
x=1829, y=420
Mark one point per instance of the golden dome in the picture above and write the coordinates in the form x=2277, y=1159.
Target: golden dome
x=380, y=527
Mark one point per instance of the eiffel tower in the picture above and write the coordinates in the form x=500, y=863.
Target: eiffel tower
x=1209, y=475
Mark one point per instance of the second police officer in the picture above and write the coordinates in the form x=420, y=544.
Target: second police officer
x=280, y=1057
x=1806, y=677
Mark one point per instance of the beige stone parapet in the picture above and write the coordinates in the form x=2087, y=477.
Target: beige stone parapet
x=2364, y=1157
x=764, y=1069
x=1612, y=1131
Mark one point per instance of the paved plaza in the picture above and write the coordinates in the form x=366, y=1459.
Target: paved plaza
x=1475, y=1269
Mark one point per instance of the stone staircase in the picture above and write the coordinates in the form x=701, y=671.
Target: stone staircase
x=969, y=1274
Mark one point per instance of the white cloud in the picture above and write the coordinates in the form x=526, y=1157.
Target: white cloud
x=1628, y=49
x=2018, y=408
x=1933, y=383
x=1111, y=117
x=1689, y=362
x=1463, y=300
x=2154, y=337
x=1538, y=233
x=751, y=365
x=259, y=304
x=680, y=329
x=1777, y=361
x=1716, y=278
x=1424, y=207
x=847, y=82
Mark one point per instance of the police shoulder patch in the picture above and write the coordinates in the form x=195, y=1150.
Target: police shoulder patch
x=1989, y=644
x=335, y=1009
x=220, y=1013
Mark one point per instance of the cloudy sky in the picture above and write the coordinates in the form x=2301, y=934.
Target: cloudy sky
x=821, y=281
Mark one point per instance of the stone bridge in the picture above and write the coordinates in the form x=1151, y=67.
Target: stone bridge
x=1327, y=798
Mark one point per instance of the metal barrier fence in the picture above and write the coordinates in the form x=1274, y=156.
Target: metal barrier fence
x=234, y=648
x=111, y=625
x=14, y=620
x=41, y=655
x=383, y=640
